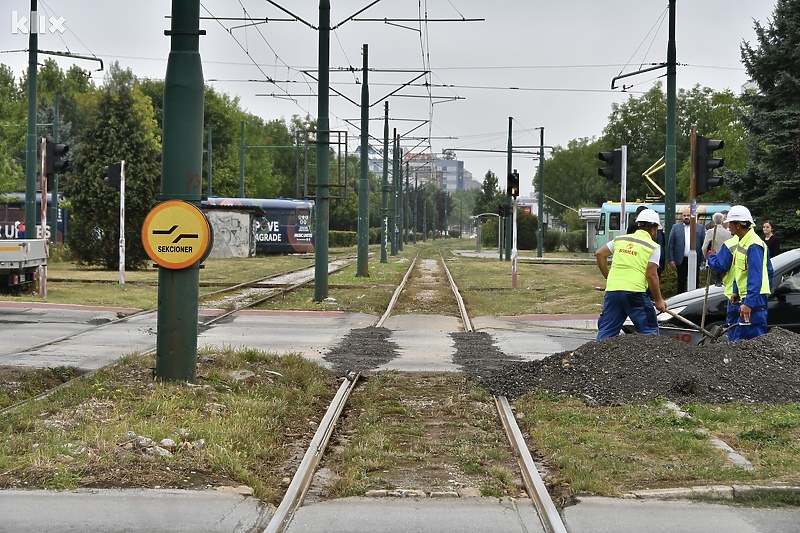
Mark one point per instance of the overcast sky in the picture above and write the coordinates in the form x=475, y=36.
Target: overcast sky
x=546, y=64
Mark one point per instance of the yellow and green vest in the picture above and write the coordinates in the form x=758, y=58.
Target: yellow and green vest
x=631, y=257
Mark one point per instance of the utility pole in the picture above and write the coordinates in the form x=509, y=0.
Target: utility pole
x=54, y=191
x=385, y=184
x=508, y=220
x=208, y=163
x=670, y=153
x=182, y=165
x=30, y=146
x=323, y=155
x=363, y=186
x=540, y=229
x=241, y=161
x=393, y=202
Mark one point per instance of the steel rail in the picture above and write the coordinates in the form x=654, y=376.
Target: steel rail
x=149, y=351
x=537, y=491
x=275, y=292
x=302, y=478
x=461, y=307
x=548, y=513
x=397, y=292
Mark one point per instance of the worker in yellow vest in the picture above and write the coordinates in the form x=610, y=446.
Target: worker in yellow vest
x=748, y=274
x=633, y=271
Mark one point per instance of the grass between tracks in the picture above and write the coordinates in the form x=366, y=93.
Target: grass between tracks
x=80, y=435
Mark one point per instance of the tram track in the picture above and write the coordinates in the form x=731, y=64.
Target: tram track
x=534, y=485
x=242, y=298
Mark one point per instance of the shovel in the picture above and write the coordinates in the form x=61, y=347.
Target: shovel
x=691, y=324
x=718, y=333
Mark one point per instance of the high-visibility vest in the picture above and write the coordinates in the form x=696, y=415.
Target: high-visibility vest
x=631, y=257
x=729, y=276
x=739, y=267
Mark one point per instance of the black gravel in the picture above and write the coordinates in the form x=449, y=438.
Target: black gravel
x=635, y=368
x=361, y=350
x=620, y=370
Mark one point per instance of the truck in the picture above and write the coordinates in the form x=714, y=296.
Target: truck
x=20, y=260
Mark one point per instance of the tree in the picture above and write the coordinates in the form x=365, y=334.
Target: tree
x=12, y=140
x=570, y=177
x=769, y=184
x=122, y=128
x=640, y=124
x=490, y=195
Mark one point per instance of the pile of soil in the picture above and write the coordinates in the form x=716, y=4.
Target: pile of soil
x=635, y=368
x=615, y=371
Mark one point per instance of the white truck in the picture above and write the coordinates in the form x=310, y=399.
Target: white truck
x=20, y=260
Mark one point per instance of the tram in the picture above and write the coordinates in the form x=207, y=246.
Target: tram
x=610, y=224
x=279, y=225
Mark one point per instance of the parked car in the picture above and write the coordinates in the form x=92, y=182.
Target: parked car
x=783, y=306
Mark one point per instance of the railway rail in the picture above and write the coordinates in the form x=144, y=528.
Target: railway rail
x=548, y=513
x=242, y=296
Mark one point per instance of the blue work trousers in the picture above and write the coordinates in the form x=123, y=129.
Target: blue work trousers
x=619, y=305
x=756, y=328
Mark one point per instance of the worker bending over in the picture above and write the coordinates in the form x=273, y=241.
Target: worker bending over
x=633, y=270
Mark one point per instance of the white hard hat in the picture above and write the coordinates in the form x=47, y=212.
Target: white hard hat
x=648, y=216
x=739, y=213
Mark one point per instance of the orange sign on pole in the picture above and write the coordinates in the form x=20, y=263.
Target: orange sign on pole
x=176, y=234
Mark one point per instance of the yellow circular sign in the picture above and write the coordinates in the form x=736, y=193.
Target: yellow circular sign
x=176, y=234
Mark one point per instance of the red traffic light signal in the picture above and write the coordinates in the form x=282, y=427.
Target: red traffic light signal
x=613, y=169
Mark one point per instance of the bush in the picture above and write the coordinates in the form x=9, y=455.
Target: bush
x=575, y=241
x=374, y=235
x=551, y=241
x=342, y=239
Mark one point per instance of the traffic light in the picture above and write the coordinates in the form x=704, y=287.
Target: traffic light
x=613, y=169
x=113, y=174
x=513, y=184
x=706, y=163
x=503, y=210
x=54, y=158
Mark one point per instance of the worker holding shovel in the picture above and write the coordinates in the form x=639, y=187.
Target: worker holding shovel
x=633, y=272
x=748, y=271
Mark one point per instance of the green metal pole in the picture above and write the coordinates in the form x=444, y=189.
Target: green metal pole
x=406, y=209
x=425, y=215
x=400, y=199
x=323, y=155
x=53, y=219
x=670, y=153
x=385, y=184
x=241, y=162
x=208, y=163
x=416, y=213
x=393, y=201
x=508, y=195
x=434, y=216
x=541, y=193
x=30, y=146
x=182, y=164
x=363, y=186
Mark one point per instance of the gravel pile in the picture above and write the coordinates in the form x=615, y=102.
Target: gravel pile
x=363, y=350
x=620, y=370
x=634, y=368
